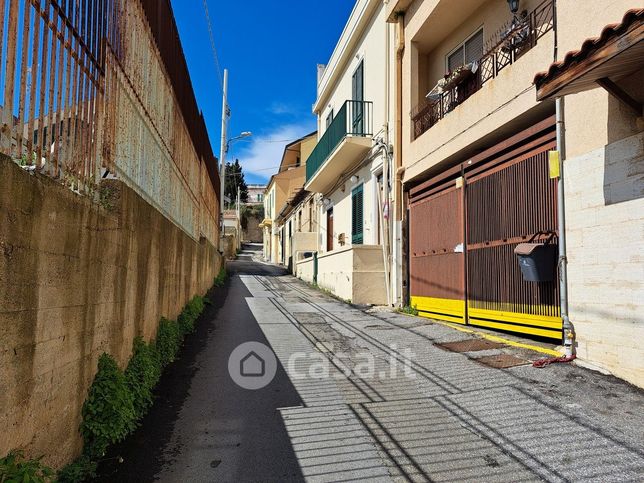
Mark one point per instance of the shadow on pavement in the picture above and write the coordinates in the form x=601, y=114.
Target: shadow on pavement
x=203, y=427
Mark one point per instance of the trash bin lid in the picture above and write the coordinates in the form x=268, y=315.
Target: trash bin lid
x=526, y=248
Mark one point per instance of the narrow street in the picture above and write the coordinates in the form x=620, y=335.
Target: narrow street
x=446, y=418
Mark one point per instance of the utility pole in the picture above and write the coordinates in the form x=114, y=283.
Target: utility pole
x=239, y=229
x=223, y=149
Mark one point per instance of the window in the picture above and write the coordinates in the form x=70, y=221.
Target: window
x=357, y=215
x=469, y=51
x=297, y=162
x=310, y=215
x=357, y=95
x=329, y=119
x=260, y=197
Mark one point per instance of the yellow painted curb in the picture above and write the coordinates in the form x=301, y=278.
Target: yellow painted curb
x=502, y=340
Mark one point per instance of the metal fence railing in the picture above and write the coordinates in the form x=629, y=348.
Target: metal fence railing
x=98, y=88
x=507, y=46
x=353, y=119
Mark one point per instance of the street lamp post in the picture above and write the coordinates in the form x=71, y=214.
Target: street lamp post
x=225, y=144
x=243, y=135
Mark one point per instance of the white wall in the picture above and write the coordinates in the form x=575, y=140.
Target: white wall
x=605, y=230
x=370, y=48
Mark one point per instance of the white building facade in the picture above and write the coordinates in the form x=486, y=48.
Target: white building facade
x=350, y=165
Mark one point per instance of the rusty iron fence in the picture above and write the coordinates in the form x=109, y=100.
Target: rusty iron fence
x=504, y=48
x=100, y=88
x=51, y=73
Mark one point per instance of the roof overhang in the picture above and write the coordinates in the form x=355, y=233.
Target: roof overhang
x=616, y=53
x=397, y=8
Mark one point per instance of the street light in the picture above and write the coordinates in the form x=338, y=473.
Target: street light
x=244, y=134
x=222, y=171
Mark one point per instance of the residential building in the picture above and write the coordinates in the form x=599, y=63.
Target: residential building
x=599, y=74
x=256, y=194
x=349, y=165
x=474, y=154
x=479, y=192
x=280, y=189
x=296, y=219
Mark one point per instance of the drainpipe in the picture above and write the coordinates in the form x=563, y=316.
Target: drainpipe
x=397, y=169
x=384, y=225
x=400, y=49
x=568, y=329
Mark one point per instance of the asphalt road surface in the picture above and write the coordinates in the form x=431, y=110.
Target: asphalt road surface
x=370, y=395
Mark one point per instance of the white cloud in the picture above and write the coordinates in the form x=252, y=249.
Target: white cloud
x=280, y=108
x=261, y=155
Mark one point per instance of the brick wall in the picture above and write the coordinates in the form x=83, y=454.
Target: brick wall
x=605, y=229
x=77, y=279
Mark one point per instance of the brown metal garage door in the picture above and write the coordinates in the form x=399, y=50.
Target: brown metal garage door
x=499, y=198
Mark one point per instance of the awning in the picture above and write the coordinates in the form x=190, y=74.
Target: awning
x=601, y=61
x=266, y=222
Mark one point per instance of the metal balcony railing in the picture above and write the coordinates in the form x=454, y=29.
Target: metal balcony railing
x=520, y=35
x=353, y=119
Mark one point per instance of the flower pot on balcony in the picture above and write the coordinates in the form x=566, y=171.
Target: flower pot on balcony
x=458, y=76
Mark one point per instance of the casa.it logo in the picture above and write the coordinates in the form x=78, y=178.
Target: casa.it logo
x=252, y=365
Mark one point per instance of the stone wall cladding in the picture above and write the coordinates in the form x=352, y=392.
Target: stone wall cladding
x=79, y=278
x=605, y=233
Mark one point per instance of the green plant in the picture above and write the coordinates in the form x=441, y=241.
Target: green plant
x=108, y=195
x=220, y=279
x=81, y=469
x=168, y=341
x=190, y=314
x=142, y=374
x=250, y=211
x=410, y=310
x=14, y=468
x=108, y=412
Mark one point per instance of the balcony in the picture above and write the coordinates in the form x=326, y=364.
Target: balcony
x=346, y=140
x=519, y=36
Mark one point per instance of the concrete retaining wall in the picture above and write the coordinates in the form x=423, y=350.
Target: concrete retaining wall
x=79, y=278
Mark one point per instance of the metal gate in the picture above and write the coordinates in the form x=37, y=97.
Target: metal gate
x=464, y=226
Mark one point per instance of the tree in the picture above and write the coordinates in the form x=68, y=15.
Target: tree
x=235, y=179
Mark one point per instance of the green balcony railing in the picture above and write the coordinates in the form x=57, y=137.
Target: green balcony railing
x=353, y=119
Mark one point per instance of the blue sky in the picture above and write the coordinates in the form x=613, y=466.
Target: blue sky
x=271, y=50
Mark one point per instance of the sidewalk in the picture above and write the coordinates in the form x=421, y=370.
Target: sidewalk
x=449, y=417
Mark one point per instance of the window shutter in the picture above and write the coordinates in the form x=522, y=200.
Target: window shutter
x=357, y=215
x=455, y=60
x=474, y=47
x=357, y=83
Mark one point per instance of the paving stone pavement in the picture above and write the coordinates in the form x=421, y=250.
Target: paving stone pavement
x=380, y=402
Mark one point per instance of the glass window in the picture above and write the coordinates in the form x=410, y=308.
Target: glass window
x=469, y=51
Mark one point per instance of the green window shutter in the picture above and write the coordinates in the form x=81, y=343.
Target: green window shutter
x=357, y=215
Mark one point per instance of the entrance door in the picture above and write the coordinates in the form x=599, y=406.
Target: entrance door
x=329, y=230
x=357, y=97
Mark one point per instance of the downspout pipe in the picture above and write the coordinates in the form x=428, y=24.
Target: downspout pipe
x=400, y=50
x=568, y=328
